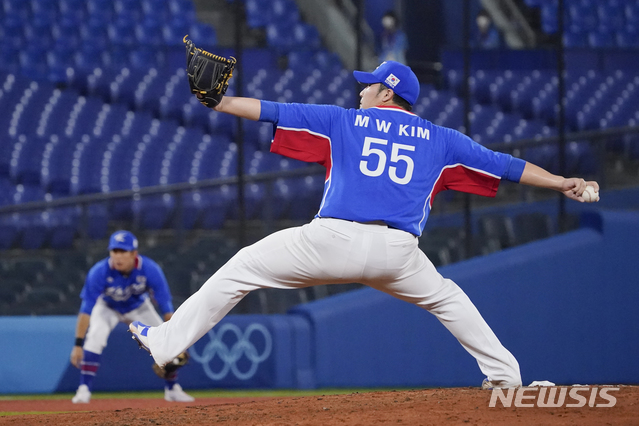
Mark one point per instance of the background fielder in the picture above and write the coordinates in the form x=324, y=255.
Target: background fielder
x=117, y=290
x=384, y=166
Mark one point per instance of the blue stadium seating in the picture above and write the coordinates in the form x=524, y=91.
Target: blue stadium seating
x=104, y=121
x=216, y=206
x=175, y=30
x=257, y=13
x=627, y=38
x=10, y=228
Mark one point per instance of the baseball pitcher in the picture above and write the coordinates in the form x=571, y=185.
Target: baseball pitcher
x=384, y=165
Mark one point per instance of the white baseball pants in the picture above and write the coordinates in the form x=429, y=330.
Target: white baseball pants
x=104, y=319
x=333, y=251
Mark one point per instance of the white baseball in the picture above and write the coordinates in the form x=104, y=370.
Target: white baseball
x=590, y=195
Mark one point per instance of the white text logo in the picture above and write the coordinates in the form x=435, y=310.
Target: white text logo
x=554, y=397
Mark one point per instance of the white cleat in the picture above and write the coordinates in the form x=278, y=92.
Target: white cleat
x=489, y=384
x=82, y=396
x=177, y=394
x=139, y=332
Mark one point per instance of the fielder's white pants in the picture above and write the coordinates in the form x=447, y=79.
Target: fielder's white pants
x=333, y=251
x=104, y=319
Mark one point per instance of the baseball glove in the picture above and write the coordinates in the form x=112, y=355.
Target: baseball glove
x=169, y=369
x=208, y=74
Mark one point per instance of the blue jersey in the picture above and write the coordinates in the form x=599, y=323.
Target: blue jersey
x=125, y=293
x=385, y=163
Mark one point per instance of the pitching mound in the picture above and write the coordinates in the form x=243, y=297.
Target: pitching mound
x=417, y=407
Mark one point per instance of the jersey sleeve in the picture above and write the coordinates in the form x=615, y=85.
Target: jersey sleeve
x=302, y=131
x=473, y=168
x=93, y=288
x=156, y=281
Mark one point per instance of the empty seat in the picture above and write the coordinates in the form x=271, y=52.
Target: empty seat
x=10, y=228
x=34, y=233
x=280, y=36
x=9, y=58
x=175, y=30
x=611, y=14
x=62, y=227
x=122, y=33
x=204, y=34
x=627, y=38
x=11, y=291
x=452, y=239
x=601, y=39
x=582, y=17
x=574, y=39
x=532, y=226
x=258, y=13
x=216, y=205
x=498, y=227
x=41, y=298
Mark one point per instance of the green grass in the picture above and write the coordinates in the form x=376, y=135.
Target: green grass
x=240, y=393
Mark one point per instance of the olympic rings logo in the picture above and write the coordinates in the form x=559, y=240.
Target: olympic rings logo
x=229, y=356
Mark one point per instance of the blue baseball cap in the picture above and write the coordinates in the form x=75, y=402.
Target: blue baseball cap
x=123, y=240
x=393, y=75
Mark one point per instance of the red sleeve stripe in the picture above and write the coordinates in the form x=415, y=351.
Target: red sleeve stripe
x=465, y=179
x=304, y=145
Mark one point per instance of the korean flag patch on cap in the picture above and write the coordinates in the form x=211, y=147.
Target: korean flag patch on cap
x=391, y=80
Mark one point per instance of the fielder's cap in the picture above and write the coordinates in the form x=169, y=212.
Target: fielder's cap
x=393, y=75
x=123, y=240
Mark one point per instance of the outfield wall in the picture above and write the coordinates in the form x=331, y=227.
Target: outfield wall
x=565, y=307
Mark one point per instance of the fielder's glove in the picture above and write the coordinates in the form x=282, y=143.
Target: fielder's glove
x=208, y=74
x=169, y=369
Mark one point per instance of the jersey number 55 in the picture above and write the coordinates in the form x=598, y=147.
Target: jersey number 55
x=396, y=157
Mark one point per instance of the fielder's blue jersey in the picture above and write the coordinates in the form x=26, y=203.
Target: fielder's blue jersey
x=385, y=163
x=125, y=293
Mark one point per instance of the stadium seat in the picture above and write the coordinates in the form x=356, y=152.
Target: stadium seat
x=154, y=212
x=549, y=18
x=627, y=38
x=175, y=30
x=498, y=227
x=157, y=9
x=149, y=33
x=100, y=10
x=280, y=36
x=75, y=8
x=41, y=298
x=39, y=31
x=33, y=62
x=258, y=13
x=582, y=17
x=217, y=204
x=9, y=59
x=122, y=33
x=532, y=226
x=62, y=226
x=97, y=217
x=128, y=9
x=204, y=35
x=185, y=8
x=306, y=36
x=20, y=8
x=34, y=230
x=601, y=39
x=10, y=228
x=611, y=14
x=11, y=291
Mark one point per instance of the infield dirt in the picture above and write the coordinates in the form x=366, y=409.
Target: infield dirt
x=449, y=406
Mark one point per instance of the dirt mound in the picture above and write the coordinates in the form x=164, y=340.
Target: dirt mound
x=416, y=407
